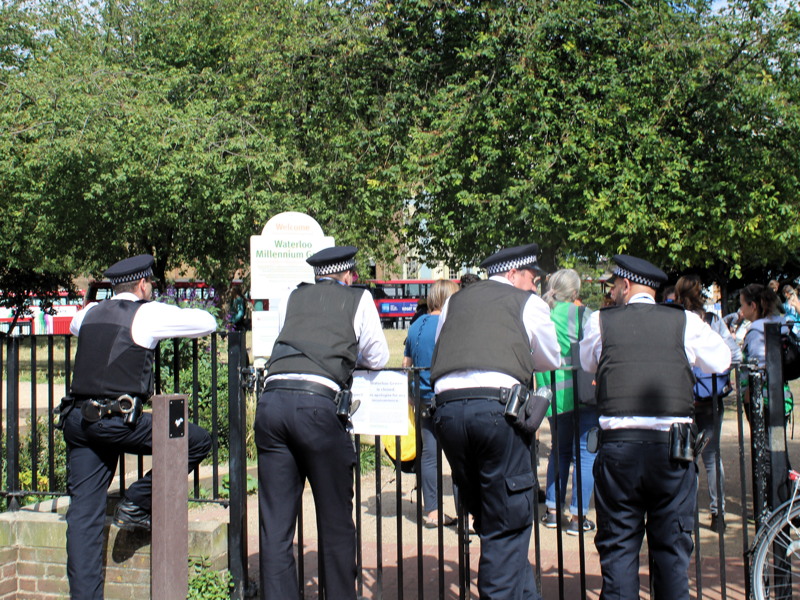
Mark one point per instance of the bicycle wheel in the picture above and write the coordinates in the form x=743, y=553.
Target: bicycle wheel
x=775, y=568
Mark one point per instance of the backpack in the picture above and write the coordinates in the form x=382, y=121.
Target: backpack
x=704, y=386
x=790, y=354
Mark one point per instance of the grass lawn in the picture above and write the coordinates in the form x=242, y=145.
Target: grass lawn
x=396, y=338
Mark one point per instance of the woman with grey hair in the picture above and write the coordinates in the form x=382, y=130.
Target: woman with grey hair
x=570, y=319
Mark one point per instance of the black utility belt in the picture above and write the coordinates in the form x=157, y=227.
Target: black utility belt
x=634, y=435
x=93, y=409
x=343, y=399
x=475, y=393
x=683, y=441
x=127, y=406
x=299, y=385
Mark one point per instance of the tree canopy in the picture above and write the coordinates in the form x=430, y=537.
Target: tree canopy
x=437, y=130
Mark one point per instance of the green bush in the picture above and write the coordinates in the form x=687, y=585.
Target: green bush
x=207, y=584
x=26, y=453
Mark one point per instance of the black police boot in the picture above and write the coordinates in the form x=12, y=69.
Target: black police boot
x=129, y=516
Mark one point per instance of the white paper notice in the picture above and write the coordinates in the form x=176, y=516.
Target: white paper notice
x=384, y=402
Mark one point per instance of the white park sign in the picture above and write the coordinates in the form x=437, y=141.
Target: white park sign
x=277, y=265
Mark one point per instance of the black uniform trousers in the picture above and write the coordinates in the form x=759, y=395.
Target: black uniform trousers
x=639, y=489
x=491, y=465
x=93, y=451
x=299, y=437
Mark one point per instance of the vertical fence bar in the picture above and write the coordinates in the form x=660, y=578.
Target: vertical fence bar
x=359, y=520
x=717, y=410
x=698, y=573
x=67, y=363
x=579, y=483
x=51, y=457
x=776, y=422
x=378, y=521
x=214, y=417
x=4, y=346
x=463, y=549
x=237, y=528
x=398, y=495
x=157, y=369
x=758, y=441
x=34, y=432
x=12, y=424
x=742, y=479
x=415, y=395
x=440, y=533
x=779, y=490
x=176, y=365
x=554, y=454
x=195, y=403
x=537, y=551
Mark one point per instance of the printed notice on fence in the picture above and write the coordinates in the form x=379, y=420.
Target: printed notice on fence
x=384, y=402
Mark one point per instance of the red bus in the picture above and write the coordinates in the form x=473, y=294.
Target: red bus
x=396, y=299
x=54, y=321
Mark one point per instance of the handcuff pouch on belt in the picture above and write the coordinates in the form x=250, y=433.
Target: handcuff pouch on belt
x=524, y=409
x=345, y=405
x=130, y=407
x=61, y=411
x=515, y=398
x=426, y=408
x=685, y=444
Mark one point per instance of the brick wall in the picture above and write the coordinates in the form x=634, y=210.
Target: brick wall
x=33, y=557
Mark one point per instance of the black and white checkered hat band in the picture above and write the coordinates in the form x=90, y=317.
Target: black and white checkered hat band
x=323, y=270
x=625, y=274
x=507, y=265
x=148, y=272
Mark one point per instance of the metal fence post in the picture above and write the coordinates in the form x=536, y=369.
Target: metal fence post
x=778, y=490
x=169, y=563
x=237, y=528
x=12, y=422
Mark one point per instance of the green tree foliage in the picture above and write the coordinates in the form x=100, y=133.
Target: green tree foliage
x=596, y=127
x=439, y=129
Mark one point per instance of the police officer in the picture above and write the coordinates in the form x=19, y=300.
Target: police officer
x=113, y=376
x=492, y=335
x=328, y=329
x=645, y=476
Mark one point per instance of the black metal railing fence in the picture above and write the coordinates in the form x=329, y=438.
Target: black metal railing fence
x=216, y=374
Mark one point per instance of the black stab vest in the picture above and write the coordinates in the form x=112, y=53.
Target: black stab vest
x=108, y=363
x=484, y=331
x=643, y=370
x=318, y=337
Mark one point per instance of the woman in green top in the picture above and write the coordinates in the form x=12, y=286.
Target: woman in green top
x=564, y=287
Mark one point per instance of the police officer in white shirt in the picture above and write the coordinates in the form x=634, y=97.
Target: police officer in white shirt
x=113, y=376
x=301, y=423
x=645, y=474
x=492, y=336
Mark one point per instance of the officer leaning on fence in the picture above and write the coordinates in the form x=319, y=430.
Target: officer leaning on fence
x=301, y=423
x=645, y=474
x=492, y=336
x=102, y=417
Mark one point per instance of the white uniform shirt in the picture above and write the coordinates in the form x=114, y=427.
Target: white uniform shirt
x=704, y=349
x=156, y=321
x=373, y=351
x=540, y=330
